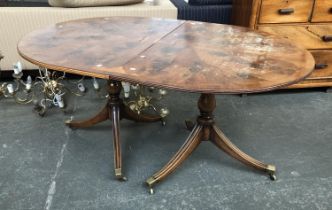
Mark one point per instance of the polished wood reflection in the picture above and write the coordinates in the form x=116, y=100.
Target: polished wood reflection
x=184, y=55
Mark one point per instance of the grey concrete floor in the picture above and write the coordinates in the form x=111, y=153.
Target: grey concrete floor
x=45, y=165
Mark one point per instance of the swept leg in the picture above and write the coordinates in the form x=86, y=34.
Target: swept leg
x=187, y=148
x=115, y=116
x=221, y=141
x=100, y=117
x=127, y=113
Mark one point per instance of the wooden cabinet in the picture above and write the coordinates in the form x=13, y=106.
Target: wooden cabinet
x=305, y=22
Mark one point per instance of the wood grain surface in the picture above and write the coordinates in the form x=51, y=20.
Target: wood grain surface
x=245, y=12
x=183, y=55
x=309, y=36
x=322, y=11
x=270, y=11
x=323, y=69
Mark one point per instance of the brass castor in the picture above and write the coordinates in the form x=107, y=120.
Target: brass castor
x=151, y=191
x=273, y=176
x=163, y=122
x=150, y=182
x=119, y=176
x=123, y=178
x=271, y=169
x=68, y=123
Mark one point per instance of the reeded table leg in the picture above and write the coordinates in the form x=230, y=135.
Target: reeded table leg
x=187, y=148
x=222, y=142
x=206, y=130
x=114, y=114
x=115, y=110
x=102, y=116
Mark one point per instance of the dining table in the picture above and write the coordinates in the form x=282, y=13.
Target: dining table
x=187, y=56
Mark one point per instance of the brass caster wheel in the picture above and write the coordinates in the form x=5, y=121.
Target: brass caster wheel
x=271, y=169
x=119, y=175
x=273, y=176
x=150, y=182
x=68, y=123
x=123, y=179
x=163, y=122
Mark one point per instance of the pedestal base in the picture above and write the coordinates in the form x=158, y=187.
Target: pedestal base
x=115, y=110
x=206, y=130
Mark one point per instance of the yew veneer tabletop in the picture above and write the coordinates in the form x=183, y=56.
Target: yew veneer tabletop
x=183, y=55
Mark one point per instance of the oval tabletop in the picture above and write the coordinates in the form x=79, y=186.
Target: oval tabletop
x=183, y=55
